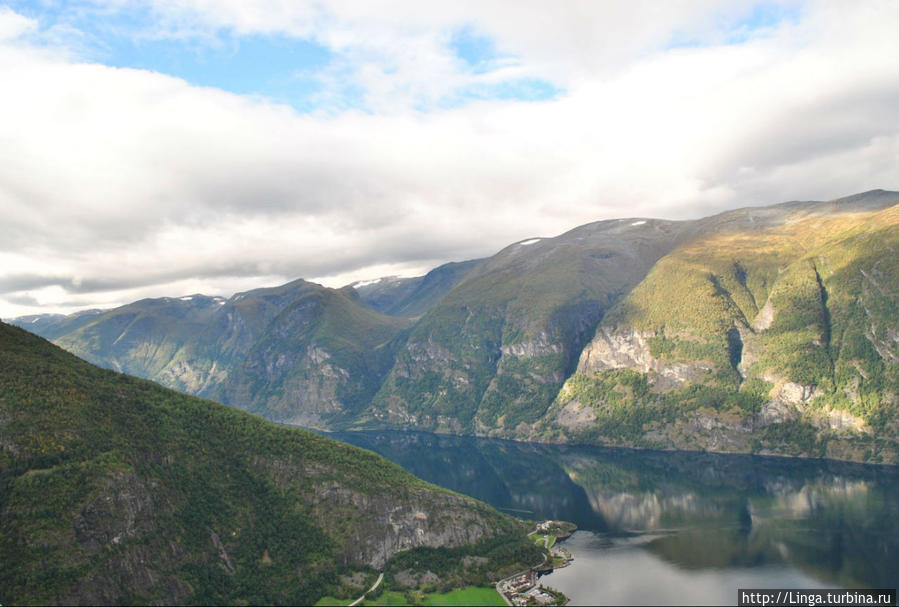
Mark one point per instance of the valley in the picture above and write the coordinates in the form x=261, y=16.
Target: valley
x=331, y=303
x=767, y=331
x=700, y=525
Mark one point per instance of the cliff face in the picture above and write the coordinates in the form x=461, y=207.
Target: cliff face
x=117, y=490
x=384, y=528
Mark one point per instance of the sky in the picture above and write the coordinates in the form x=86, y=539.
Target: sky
x=171, y=147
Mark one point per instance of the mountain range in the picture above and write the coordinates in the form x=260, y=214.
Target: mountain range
x=767, y=329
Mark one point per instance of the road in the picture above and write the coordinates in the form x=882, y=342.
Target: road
x=372, y=589
x=499, y=590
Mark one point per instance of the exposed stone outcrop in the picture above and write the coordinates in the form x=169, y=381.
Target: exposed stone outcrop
x=542, y=345
x=575, y=416
x=765, y=318
x=628, y=348
x=389, y=524
x=791, y=392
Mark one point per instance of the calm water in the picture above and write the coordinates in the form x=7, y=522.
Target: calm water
x=676, y=528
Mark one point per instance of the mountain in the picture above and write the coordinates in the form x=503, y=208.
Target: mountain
x=767, y=329
x=413, y=296
x=188, y=343
x=298, y=353
x=116, y=490
x=318, y=363
x=52, y=326
x=773, y=329
x=495, y=351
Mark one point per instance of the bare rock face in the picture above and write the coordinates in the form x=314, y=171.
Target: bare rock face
x=120, y=526
x=777, y=412
x=411, y=579
x=385, y=523
x=391, y=525
x=575, y=416
x=121, y=511
x=629, y=349
x=841, y=421
x=791, y=392
x=543, y=345
x=765, y=318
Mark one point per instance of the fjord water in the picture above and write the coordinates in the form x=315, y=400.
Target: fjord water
x=676, y=528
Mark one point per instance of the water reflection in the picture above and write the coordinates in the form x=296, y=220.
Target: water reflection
x=715, y=519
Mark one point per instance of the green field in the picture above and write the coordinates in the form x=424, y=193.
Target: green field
x=330, y=601
x=543, y=540
x=471, y=595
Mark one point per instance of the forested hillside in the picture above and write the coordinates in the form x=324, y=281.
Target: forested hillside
x=115, y=490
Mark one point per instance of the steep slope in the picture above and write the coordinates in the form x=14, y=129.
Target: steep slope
x=319, y=362
x=142, y=338
x=298, y=353
x=413, y=296
x=494, y=352
x=115, y=490
x=188, y=343
x=772, y=328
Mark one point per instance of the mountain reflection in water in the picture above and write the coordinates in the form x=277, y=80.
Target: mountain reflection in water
x=747, y=519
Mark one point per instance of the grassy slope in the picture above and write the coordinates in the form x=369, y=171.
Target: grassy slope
x=471, y=596
x=112, y=489
x=833, y=283
x=141, y=338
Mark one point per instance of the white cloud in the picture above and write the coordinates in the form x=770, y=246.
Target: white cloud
x=119, y=183
x=14, y=25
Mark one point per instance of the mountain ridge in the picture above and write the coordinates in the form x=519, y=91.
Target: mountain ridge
x=498, y=344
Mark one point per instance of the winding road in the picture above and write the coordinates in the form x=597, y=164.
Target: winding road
x=372, y=589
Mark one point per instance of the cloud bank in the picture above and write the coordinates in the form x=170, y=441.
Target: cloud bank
x=119, y=183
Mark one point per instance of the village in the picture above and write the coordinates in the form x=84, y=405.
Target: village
x=524, y=588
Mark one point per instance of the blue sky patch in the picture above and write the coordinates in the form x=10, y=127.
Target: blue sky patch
x=277, y=67
x=297, y=72
x=757, y=21
x=476, y=51
x=761, y=18
x=523, y=89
